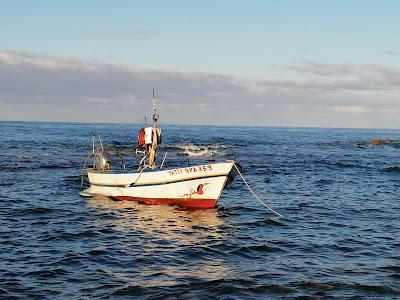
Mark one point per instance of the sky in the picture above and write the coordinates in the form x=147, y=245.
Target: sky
x=268, y=63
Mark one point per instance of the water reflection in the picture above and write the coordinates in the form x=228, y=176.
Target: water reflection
x=167, y=245
x=163, y=276
x=154, y=222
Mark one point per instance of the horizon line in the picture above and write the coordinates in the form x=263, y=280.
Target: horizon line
x=207, y=125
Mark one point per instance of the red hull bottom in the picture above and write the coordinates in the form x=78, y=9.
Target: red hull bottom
x=184, y=202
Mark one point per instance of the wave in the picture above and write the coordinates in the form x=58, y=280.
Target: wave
x=394, y=169
x=49, y=272
x=376, y=142
x=194, y=150
x=114, y=149
x=69, y=236
x=185, y=148
x=33, y=211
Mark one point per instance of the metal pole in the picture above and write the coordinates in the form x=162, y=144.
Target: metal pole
x=165, y=156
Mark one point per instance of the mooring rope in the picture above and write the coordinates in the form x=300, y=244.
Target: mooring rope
x=255, y=196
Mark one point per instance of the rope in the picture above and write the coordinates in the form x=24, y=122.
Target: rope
x=255, y=196
x=137, y=179
x=83, y=167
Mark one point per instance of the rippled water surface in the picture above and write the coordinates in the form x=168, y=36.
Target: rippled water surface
x=341, y=238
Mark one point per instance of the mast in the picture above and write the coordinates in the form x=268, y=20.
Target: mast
x=155, y=133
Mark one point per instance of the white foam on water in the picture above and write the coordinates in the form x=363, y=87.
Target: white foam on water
x=191, y=149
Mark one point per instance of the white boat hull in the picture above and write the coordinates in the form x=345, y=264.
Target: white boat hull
x=195, y=186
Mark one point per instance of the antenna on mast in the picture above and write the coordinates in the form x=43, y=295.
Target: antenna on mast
x=155, y=114
x=154, y=104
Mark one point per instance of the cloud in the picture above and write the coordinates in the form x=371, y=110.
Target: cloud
x=359, y=77
x=39, y=87
x=322, y=69
x=391, y=53
x=25, y=74
x=351, y=109
x=23, y=59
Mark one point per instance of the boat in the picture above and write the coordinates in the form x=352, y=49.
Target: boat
x=195, y=186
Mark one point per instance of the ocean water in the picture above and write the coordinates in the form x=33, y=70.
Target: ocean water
x=340, y=238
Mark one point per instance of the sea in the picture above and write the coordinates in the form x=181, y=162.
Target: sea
x=337, y=189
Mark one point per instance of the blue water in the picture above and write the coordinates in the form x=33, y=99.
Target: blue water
x=340, y=240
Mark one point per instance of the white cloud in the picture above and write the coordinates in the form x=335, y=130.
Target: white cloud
x=52, y=63
x=202, y=104
x=45, y=84
x=351, y=109
x=96, y=100
x=351, y=77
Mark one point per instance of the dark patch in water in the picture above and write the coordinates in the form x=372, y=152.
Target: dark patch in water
x=46, y=272
x=34, y=211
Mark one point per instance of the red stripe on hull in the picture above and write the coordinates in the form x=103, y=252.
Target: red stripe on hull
x=184, y=202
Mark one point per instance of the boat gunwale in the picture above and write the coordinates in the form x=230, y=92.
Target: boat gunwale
x=161, y=182
x=192, y=176
x=149, y=170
